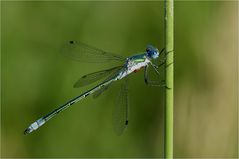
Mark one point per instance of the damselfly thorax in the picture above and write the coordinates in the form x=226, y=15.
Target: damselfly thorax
x=134, y=64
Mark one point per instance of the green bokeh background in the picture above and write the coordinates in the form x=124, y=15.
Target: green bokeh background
x=35, y=79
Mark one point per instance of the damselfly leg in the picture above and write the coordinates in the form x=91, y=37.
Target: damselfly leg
x=149, y=82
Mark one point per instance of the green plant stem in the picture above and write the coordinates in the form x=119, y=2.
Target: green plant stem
x=168, y=152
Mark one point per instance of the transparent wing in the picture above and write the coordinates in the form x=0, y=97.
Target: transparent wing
x=100, y=91
x=121, y=109
x=85, y=53
x=93, y=77
x=104, y=88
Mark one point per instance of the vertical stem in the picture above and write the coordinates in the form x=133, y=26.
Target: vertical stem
x=168, y=147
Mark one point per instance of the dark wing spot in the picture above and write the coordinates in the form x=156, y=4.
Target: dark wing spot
x=126, y=122
x=72, y=42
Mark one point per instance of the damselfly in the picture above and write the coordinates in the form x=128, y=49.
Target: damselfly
x=86, y=53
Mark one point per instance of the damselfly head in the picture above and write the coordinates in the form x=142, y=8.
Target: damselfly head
x=152, y=52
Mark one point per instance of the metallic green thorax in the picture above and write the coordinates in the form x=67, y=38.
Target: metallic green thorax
x=138, y=58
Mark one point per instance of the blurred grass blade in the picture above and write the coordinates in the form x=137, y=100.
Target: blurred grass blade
x=169, y=79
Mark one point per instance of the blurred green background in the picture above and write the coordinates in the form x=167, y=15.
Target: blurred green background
x=35, y=79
